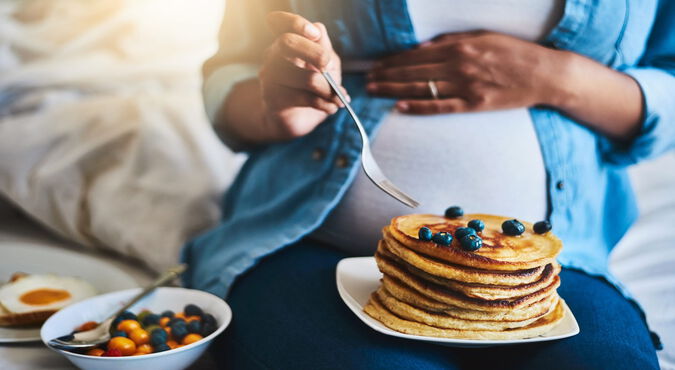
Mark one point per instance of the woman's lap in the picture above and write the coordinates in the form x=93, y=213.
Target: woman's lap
x=288, y=315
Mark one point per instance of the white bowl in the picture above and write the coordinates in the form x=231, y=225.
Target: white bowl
x=98, y=308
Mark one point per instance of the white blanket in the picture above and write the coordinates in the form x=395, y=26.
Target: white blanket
x=103, y=136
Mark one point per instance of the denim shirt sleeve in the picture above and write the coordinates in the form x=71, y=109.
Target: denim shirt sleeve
x=242, y=39
x=219, y=83
x=655, y=74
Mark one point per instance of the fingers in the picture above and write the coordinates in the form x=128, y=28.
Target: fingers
x=284, y=22
x=418, y=90
x=453, y=105
x=292, y=47
x=412, y=73
x=289, y=75
x=440, y=48
x=301, y=41
x=423, y=55
x=324, y=39
x=455, y=36
x=280, y=97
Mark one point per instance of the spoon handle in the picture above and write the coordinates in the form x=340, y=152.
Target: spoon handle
x=167, y=276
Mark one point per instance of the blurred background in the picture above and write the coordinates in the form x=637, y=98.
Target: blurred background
x=104, y=144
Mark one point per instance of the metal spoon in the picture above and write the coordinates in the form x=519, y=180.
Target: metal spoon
x=101, y=333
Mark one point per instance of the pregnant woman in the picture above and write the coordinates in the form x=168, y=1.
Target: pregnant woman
x=530, y=109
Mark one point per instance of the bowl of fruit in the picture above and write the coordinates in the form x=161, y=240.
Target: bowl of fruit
x=168, y=329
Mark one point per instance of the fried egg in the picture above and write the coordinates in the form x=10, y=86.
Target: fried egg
x=34, y=293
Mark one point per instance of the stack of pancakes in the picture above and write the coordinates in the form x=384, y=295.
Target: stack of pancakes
x=504, y=290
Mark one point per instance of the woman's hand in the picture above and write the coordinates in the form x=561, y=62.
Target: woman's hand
x=473, y=71
x=478, y=71
x=290, y=97
x=296, y=97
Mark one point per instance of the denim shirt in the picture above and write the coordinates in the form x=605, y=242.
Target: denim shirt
x=285, y=190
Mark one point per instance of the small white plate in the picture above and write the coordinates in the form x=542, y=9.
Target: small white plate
x=39, y=259
x=358, y=277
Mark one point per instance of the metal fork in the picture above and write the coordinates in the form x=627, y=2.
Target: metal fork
x=368, y=163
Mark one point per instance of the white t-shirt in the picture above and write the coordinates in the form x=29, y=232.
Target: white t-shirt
x=486, y=162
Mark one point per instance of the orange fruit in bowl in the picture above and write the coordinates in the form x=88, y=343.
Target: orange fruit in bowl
x=128, y=326
x=95, y=352
x=191, y=338
x=126, y=346
x=143, y=349
x=139, y=336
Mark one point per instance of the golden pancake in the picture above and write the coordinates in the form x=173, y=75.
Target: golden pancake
x=451, y=297
x=484, y=291
x=491, y=291
x=499, y=251
x=405, y=294
x=375, y=309
x=409, y=312
x=460, y=273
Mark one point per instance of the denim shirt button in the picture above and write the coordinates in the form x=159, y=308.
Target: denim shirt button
x=341, y=161
x=560, y=185
x=318, y=154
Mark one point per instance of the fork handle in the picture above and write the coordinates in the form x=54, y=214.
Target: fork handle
x=343, y=99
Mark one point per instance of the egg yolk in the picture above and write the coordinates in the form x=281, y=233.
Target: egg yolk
x=44, y=296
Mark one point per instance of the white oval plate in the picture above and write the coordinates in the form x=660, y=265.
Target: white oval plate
x=34, y=258
x=358, y=277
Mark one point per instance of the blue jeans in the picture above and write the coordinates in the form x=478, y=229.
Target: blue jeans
x=288, y=315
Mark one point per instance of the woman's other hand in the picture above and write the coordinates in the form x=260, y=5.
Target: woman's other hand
x=473, y=71
x=479, y=71
x=296, y=97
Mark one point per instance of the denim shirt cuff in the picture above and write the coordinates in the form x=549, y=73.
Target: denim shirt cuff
x=219, y=84
x=657, y=134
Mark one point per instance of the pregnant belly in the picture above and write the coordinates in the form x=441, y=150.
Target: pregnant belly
x=487, y=162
